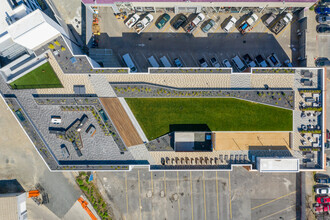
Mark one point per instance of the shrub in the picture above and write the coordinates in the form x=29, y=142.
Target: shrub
x=80, y=182
x=84, y=188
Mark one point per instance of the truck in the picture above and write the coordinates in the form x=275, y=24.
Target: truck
x=284, y=21
x=130, y=23
x=141, y=25
x=247, y=24
x=194, y=23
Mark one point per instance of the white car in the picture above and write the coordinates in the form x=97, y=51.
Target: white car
x=130, y=23
x=322, y=190
x=230, y=24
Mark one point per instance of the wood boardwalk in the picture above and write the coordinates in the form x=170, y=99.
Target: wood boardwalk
x=121, y=120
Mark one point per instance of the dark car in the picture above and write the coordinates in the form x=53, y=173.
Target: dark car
x=179, y=21
x=323, y=28
x=177, y=62
x=322, y=61
x=322, y=179
x=164, y=19
x=208, y=25
x=322, y=10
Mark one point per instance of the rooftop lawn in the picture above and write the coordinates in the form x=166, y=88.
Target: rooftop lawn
x=156, y=115
x=41, y=77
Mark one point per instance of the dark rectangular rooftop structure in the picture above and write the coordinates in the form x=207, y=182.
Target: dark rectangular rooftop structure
x=79, y=89
x=306, y=73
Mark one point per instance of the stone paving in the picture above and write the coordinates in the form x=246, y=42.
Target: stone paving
x=273, y=81
x=140, y=152
x=101, y=86
x=240, y=81
x=177, y=80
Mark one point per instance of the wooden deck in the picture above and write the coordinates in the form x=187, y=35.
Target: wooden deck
x=121, y=121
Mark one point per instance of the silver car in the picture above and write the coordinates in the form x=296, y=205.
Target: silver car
x=323, y=19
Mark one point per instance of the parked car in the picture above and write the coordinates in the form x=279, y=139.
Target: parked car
x=261, y=61
x=191, y=27
x=238, y=63
x=203, y=63
x=232, y=21
x=322, y=61
x=323, y=200
x=132, y=21
x=163, y=20
x=273, y=60
x=324, y=2
x=177, y=62
x=323, y=19
x=322, y=179
x=322, y=10
x=180, y=20
x=248, y=61
x=322, y=190
x=226, y=63
x=208, y=25
x=323, y=28
x=270, y=19
x=214, y=62
x=288, y=63
x=320, y=208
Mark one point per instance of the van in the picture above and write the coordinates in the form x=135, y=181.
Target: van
x=129, y=63
x=238, y=63
x=270, y=19
x=165, y=62
x=153, y=62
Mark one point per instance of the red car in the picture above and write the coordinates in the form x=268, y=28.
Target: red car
x=319, y=208
x=323, y=200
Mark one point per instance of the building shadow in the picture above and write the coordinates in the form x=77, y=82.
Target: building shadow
x=188, y=127
x=10, y=186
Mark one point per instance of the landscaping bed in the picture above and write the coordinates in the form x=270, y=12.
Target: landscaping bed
x=281, y=98
x=93, y=195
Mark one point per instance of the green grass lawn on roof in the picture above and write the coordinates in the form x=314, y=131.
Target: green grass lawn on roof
x=41, y=77
x=155, y=115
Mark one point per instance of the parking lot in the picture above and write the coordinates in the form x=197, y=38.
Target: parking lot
x=239, y=194
x=190, y=48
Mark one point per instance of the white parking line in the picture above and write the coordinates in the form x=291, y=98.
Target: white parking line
x=184, y=64
x=194, y=60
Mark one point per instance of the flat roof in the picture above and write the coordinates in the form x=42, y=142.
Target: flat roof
x=32, y=31
x=278, y=164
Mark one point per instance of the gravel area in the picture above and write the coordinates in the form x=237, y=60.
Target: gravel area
x=281, y=98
